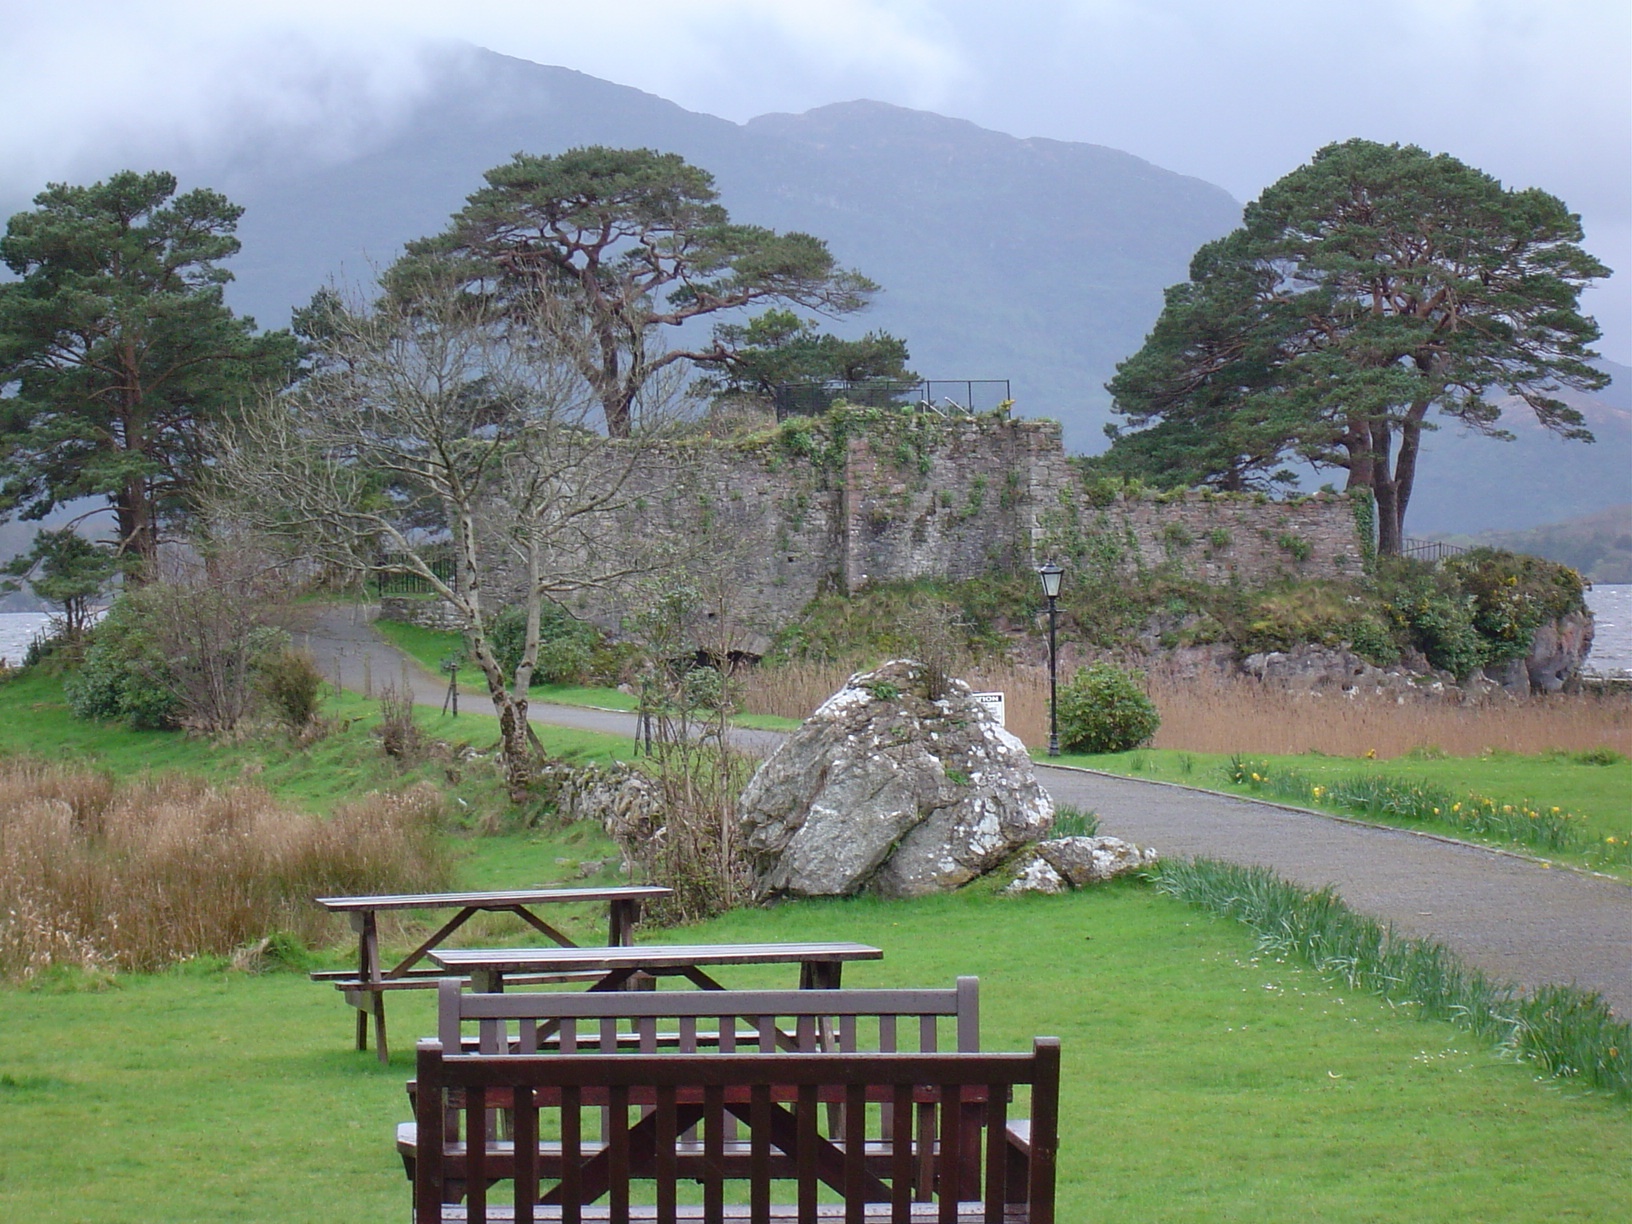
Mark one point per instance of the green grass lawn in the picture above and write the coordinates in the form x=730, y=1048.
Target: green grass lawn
x=1203, y=1082
x=1600, y=794
x=34, y=720
x=428, y=647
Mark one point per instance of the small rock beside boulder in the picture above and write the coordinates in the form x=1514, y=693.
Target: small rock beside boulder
x=1065, y=863
x=896, y=785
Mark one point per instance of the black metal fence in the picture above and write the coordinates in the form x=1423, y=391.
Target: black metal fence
x=1429, y=550
x=391, y=579
x=948, y=397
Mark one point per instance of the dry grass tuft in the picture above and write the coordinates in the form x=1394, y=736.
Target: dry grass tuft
x=1238, y=715
x=137, y=876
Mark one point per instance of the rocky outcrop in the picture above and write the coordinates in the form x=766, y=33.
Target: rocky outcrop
x=891, y=787
x=1065, y=863
x=1557, y=651
x=1311, y=667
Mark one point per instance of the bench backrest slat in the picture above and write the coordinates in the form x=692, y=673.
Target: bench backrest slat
x=802, y=1020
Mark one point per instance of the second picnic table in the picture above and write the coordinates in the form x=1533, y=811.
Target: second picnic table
x=820, y=964
x=365, y=988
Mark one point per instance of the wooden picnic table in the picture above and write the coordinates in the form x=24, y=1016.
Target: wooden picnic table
x=365, y=988
x=820, y=964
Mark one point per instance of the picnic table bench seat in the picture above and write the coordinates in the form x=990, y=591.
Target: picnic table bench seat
x=366, y=987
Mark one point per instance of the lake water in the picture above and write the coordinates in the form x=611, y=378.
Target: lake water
x=1611, y=606
x=17, y=630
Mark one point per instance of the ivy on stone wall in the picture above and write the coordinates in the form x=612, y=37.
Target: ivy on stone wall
x=1365, y=525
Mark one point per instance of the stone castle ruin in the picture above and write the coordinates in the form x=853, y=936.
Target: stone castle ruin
x=857, y=497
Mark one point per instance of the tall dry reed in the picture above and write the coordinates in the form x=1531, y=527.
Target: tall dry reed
x=1239, y=715
x=136, y=876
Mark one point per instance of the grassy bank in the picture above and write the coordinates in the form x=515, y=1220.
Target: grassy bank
x=1594, y=790
x=430, y=647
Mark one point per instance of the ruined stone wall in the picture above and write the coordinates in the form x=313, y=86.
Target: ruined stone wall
x=1212, y=538
x=853, y=500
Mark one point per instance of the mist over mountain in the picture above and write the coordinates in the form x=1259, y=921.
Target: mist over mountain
x=1039, y=261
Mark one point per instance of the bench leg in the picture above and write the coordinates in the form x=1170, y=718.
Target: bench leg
x=379, y=1024
x=362, y=1028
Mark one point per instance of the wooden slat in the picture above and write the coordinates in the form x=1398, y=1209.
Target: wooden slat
x=714, y=1154
x=476, y=1151
x=524, y=1127
x=618, y=1150
x=900, y=1133
x=1045, y=1129
x=855, y=1151
x=950, y=1165
x=997, y=1151
x=495, y=900
x=968, y=991
x=759, y=1135
x=805, y=1159
x=665, y=1164
x=572, y=1156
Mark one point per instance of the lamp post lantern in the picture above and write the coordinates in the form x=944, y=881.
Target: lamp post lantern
x=1050, y=575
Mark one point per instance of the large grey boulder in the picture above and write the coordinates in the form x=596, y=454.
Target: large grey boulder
x=889, y=790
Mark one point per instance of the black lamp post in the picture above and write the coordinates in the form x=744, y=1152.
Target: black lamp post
x=1051, y=574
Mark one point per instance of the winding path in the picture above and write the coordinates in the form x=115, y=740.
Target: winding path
x=1513, y=917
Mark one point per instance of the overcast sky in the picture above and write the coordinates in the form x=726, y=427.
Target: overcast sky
x=1536, y=92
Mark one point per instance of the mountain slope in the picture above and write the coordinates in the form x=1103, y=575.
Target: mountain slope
x=1039, y=261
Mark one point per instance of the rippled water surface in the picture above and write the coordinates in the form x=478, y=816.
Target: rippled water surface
x=1611, y=605
x=17, y=629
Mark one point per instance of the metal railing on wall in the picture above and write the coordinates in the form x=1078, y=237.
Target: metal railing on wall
x=945, y=396
x=1429, y=550
x=391, y=579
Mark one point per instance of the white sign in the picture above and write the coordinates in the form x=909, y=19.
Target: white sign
x=993, y=703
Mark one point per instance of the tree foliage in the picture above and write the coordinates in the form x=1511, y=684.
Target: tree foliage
x=117, y=352
x=604, y=247
x=779, y=347
x=64, y=568
x=436, y=420
x=1362, y=291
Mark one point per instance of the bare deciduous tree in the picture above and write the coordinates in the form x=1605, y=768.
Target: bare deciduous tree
x=434, y=420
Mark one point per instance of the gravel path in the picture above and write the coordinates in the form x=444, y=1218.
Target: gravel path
x=1512, y=917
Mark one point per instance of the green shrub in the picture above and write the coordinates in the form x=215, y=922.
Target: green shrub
x=1103, y=709
x=1429, y=612
x=1073, y=822
x=566, y=647
x=1512, y=594
x=291, y=682
x=125, y=676
x=704, y=688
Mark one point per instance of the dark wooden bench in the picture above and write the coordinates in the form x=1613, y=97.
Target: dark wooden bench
x=875, y=1167
x=692, y=1022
